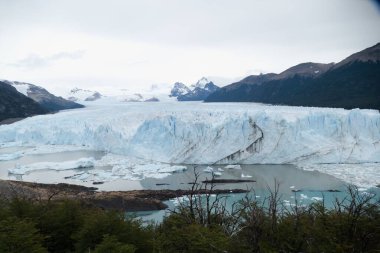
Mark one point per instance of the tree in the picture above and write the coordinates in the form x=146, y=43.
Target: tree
x=20, y=236
x=110, y=244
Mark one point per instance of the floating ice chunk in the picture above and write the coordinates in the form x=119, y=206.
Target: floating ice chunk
x=180, y=200
x=68, y=165
x=233, y=166
x=209, y=169
x=8, y=157
x=292, y=187
x=245, y=176
x=316, y=198
x=369, y=194
x=364, y=175
x=303, y=196
x=220, y=169
x=141, y=171
x=172, y=169
x=157, y=170
x=216, y=173
x=137, y=169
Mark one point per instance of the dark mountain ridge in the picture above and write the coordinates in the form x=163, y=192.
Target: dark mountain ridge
x=351, y=83
x=20, y=100
x=16, y=105
x=47, y=100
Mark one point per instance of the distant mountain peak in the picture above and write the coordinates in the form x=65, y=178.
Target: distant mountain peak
x=309, y=69
x=196, y=92
x=44, y=98
x=179, y=89
x=14, y=104
x=351, y=83
x=78, y=94
x=201, y=83
x=371, y=54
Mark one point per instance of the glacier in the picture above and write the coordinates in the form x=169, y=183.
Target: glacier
x=200, y=133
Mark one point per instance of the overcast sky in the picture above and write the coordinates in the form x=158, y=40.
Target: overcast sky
x=133, y=44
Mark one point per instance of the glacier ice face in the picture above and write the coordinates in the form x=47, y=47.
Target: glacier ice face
x=198, y=133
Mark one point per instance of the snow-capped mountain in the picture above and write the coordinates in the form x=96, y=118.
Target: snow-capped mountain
x=153, y=93
x=201, y=83
x=179, y=89
x=196, y=92
x=46, y=100
x=77, y=95
x=14, y=104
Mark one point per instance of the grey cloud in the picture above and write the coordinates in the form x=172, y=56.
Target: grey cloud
x=208, y=22
x=36, y=61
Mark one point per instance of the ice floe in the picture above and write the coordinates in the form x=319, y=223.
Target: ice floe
x=363, y=175
x=68, y=165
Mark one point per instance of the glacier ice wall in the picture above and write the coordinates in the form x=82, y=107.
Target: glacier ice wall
x=196, y=133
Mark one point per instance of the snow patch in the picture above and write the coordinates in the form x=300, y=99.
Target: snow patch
x=21, y=87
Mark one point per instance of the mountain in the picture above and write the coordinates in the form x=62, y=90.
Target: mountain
x=351, y=83
x=14, y=104
x=179, y=89
x=371, y=54
x=196, y=92
x=77, y=95
x=154, y=93
x=45, y=99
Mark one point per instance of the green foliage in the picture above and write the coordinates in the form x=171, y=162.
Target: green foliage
x=20, y=236
x=352, y=226
x=59, y=221
x=110, y=244
x=70, y=226
x=179, y=236
x=98, y=224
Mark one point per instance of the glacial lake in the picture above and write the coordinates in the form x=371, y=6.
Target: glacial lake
x=294, y=183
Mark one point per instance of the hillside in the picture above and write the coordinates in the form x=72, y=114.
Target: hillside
x=46, y=100
x=16, y=105
x=351, y=83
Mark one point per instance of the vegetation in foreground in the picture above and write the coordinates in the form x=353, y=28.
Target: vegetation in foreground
x=203, y=223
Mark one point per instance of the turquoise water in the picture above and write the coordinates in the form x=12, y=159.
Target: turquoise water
x=295, y=186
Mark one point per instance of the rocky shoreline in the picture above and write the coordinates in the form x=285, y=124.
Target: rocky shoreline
x=130, y=201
